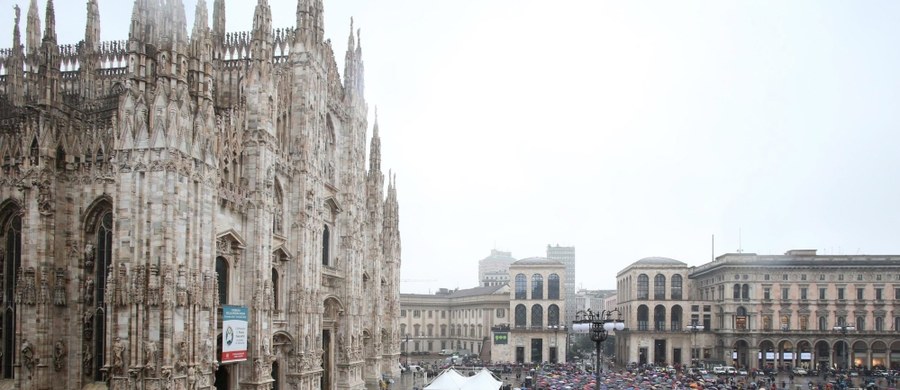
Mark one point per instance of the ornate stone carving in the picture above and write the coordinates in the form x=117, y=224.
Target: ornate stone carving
x=153, y=297
x=59, y=288
x=181, y=287
x=87, y=294
x=138, y=278
x=59, y=355
x=27, y=353
x=89, y=254
x=44, y=198
x=87, y=359
x=150, y=356
x=44, y=294
x=29, y=291
x=118, y=357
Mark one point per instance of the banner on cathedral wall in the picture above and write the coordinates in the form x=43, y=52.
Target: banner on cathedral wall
x=234, y=334
x=501, y=338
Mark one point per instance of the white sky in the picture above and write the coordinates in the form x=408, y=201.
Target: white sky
x=625, y=128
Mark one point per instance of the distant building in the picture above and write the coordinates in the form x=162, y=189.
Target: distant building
x=566, y=255
x=538, y=331
x=596, y=300
x=759, y=311
x=494, y=269
x=457, y=320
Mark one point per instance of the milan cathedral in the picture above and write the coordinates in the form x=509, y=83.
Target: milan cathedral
x=148, y=182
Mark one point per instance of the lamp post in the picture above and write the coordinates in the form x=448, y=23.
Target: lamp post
x=694, y=327
x=599, y=325
x=556, y=329
x=843, y=329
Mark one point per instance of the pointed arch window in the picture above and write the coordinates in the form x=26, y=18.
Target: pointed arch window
x=537, y=286
x=553, y=286
x=326, y=244
x=278, y=215
x=275, y=293
x=222, y=279
x=521, y=286
x=12, y=257
x=95, y=294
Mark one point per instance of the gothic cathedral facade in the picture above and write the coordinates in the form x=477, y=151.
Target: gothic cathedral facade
x=147, y=182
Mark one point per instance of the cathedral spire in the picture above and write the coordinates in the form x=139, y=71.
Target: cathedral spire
x=261, y=46
x=218, y=26
x=16, y=89
x=32, y=30
x=200, y=21
x=375, y=148
x=92, y=27
x=50, y=19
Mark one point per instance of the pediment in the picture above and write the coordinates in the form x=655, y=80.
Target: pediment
x=234, y=237
x=333, y=205
x=282, y=253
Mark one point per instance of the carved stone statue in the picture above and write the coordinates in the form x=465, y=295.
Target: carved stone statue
x=150, y=352
x=28, y=354
x=59, y=288
x=89, y=254
x=59, y=355
x=88, y=293
x=118, y=358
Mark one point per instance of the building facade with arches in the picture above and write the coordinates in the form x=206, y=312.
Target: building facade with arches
x=536, y=329
x=763, y=311
x=147, y=182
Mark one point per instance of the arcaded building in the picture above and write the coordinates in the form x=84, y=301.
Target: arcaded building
x=758, y=311
x=453, y=320
x=147, y=182
x=537, y=330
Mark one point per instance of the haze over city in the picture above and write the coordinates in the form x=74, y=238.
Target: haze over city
x=625, y=129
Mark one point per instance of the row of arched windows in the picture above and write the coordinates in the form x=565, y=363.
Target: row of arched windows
x=537, y=286
x=659, y=287
x=537, y=316
x=659, y=323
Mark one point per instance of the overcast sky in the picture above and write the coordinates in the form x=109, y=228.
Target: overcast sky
x=624, y=128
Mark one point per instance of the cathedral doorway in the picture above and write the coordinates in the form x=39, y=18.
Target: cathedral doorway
x=327, y=362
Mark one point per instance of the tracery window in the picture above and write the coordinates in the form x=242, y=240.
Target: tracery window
x=537, y=286
x=553, y=315
x=643, y=287
x=326, y=246
x=95, y=290
x=553, y=286
x=521, y=316
x=521, y=286
x=537, y=316
x=222, y=276
x=659, y=287
x=12, y=257
x=676, y=287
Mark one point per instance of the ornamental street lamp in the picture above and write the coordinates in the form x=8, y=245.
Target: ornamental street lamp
x=843, y=329
x=599, y=325
x=694, y=327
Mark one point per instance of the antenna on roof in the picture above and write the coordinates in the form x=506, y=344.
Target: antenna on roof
x=713, y=253
x=740, y=245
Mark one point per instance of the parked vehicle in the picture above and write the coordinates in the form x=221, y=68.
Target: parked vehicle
x=799, y=371
x=718, y=370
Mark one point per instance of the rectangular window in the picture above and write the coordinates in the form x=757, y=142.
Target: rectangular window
x=767, y=294
x=766, y=277
x=784, y=277
x=841, y=277
x=859, y=294
x=859, y=277
x=784, y=293
x=402, y=313
x=878, y=296
x=707, y=308
x=822, y=277
x=897, y=293
x=803, y=277
x=840, y=293
x=429, y=314
x=417, y=313
x=443, y=314
x=803, y=293
x=501, y=313
x=822, y=293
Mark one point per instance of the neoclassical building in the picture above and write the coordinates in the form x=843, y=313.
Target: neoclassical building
x=761, y=311
x=537, y=332
x=454, y=320
x=149, y=181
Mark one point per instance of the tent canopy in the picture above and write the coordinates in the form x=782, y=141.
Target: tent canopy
x=451, y=379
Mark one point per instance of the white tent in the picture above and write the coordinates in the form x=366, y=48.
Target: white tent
x=483, y=380
x=450, y=379
x=453, y=380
